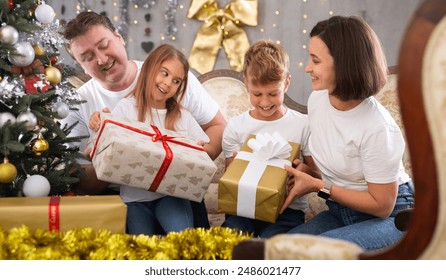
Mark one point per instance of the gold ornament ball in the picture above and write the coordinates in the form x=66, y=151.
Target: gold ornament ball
x=53, y=75
x=8, y=172
x=38, y=50
x=39, y=146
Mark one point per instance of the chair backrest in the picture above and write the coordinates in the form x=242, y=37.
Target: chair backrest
x=228, y=89
x=388, y=97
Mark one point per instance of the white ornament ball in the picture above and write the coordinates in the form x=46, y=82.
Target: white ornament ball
x=6, y=116
x=29, y=118
x=9, y=35
x=26, y=57
x=44, y=13
x=61, y=109
x=36, y=185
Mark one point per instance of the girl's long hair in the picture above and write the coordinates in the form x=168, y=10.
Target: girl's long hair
x=147, y=79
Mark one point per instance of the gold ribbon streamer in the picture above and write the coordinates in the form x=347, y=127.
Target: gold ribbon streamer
x=221, y=27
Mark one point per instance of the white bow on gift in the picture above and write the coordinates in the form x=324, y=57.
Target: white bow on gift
x=266, y=146
x=267, y=150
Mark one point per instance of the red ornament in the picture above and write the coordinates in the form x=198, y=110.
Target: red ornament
x=11, y=4
x=33, y=84
x=53, y=60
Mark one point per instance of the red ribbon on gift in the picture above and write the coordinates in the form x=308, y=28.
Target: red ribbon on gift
x=54, y=214
x=155, y=137
x=167, y=158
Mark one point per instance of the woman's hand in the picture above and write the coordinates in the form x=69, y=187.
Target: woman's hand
x=299, y=184
x=95, y=119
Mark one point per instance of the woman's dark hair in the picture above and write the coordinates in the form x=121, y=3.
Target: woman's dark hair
x=359, y=61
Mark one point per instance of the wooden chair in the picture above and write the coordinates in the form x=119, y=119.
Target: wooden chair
x=422, y=97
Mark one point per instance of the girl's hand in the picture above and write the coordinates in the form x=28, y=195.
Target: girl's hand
x=201, y=143
x=87, y=153
x=95, y=119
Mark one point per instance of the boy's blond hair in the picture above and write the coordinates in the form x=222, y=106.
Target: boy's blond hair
x=266, y=62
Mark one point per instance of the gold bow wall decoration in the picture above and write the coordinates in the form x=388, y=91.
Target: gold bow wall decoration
x=221, y=27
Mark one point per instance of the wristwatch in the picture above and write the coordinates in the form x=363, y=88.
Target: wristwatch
x=325, y=192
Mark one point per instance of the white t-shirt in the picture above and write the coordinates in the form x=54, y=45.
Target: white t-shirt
x=293, y=127
x=202, y=106
x=186, y=126
x=357, y=146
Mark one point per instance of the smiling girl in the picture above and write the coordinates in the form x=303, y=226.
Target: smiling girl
x=156, y=100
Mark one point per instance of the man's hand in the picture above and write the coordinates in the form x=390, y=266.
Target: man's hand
x=95, y=119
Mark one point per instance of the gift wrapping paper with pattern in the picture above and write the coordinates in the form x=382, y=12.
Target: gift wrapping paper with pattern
x=131, y=153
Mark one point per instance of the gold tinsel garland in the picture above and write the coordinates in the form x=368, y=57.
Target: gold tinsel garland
x=87, y=244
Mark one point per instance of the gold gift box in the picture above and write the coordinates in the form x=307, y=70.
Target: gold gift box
x=271, y=189
x=96, y=212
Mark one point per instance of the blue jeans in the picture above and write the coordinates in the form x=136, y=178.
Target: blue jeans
x=201, y=219
x=160, y=216
x=369, y=232
x=289, y=219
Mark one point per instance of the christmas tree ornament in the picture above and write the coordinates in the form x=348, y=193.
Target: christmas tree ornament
x=34, y=84
x=8, y=35
x=39, y=145
x=8, y=172
x=38, y=50
x=36, y=185
x=44, y=13
x=25, y=54
x=62, y=110
x=53, y=60
x=29, y=118
x=53, y=75
x=5, y=117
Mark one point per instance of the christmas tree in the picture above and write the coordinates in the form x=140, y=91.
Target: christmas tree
x=37, y=157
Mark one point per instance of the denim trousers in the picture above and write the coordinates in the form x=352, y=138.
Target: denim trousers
x=161, y=216
x=369, y=232
x=289, y=219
